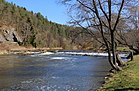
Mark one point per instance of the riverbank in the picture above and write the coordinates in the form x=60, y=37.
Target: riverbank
x=24, y=50
x=2, y=52
x=125, y=80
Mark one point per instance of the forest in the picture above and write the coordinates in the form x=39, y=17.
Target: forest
x=37, y=31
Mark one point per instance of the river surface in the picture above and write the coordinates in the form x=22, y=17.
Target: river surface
x=55, y=72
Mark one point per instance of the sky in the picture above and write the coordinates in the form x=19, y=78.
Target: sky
x=51, y=9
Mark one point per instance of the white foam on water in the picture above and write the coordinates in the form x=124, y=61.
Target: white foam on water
x=63, y=58
x=42, y=54
x=59, y=58
x=46, y=53
x=42, y=88
x=26, y=82
x=90, y=54
x=75, y=53
x=85, y=53
x=54, y=77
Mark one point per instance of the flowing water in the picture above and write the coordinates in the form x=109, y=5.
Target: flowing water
x=55, y=72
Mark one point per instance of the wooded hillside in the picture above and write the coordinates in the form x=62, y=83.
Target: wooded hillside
x=35, y=29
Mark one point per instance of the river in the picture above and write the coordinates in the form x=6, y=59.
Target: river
x=54, y=72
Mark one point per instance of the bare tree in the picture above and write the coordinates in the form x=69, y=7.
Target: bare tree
x=102, y=16
x=128, y=29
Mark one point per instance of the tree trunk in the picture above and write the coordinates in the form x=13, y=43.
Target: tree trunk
x=110, y=59
x=116, y=64
x=119, y=60
x=130, y=56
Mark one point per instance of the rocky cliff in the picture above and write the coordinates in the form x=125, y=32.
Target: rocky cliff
x=8, y=34
x=9, y=38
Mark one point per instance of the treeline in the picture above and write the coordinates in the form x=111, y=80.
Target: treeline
x=35, y=29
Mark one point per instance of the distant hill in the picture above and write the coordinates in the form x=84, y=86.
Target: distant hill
x=33, y=29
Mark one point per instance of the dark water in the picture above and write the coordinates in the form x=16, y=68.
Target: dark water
x=52, y=73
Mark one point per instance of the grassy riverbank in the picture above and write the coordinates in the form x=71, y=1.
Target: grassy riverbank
x=125, y=80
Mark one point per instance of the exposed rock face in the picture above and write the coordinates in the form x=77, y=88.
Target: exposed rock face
x=9, y=34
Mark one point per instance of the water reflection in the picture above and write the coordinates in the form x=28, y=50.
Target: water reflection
x=52, y=73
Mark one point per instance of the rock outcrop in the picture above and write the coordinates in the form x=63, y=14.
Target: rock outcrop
x=9, y=34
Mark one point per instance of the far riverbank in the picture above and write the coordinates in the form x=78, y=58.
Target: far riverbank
x=24, y=50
